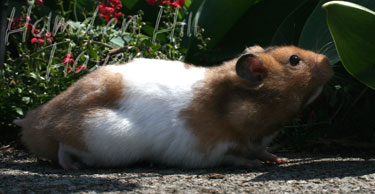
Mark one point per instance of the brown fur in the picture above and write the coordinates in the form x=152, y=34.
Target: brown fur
x=187, y=66
x=227, y=109
x=60, y=120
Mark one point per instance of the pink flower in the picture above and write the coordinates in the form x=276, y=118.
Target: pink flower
x=48, y=34
x=34, y=30
x=118, y=14
x=39, y=2
x=40, y=42
x=20, y=22
x=81, y=68
x=37, y=35
x=68, y=69
x=172, y=3
x=108, y=10
x=38, y=38
x=34, y=40
x=67, y=60
x=15, y=23
x=48, y=37
x=49, y=40
x=179, y=3
x=151, y=2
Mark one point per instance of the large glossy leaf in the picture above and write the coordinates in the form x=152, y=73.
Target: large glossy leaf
x=353, y=31
x=289, y=31
x=316, y=36
x=218, y=16
x=257, y=26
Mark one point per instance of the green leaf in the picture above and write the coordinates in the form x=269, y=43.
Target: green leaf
x=17, y=6
x=315, y=34
x=26, y=100
x=353, y=30
x=74, y=25
x=188, y=3
x=18, y=110
x=117, y=42
x=86, y=4
x=256, y=26
x=92, y=52
x=33, y=75
x=289, y=31
x=218, y=16
x=130, y=3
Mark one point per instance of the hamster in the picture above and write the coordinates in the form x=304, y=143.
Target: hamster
x=177, y=114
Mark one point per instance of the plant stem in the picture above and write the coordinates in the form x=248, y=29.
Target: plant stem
x=3, y=17
x=364, y=90
x=99, y=43
x=62, y=8
x=75, y=10
x=38, y=51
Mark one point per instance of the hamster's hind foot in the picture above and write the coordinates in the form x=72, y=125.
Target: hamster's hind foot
x=67, y=160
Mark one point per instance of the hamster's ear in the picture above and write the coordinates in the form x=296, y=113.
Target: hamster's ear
x=254, y=49
x=250, y=67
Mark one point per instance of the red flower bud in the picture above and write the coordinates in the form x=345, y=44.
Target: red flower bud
x=67, y=60
x=48, y=34
x=37, y=35
x=108, y=9
x=68, y=69
x=151, y=2
x=81, y=68
x=49, y=40
x=40, y=42
x=173, y=3
x=34, y=40
x=39, y=2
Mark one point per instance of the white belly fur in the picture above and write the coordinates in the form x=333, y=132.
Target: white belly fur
x=147, y=126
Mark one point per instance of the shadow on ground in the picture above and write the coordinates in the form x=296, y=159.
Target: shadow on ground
x=21, y=172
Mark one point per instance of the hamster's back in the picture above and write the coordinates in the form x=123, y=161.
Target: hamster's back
x=117, y=114
x=146, y=125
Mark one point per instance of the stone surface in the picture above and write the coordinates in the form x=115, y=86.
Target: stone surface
x=304, y=173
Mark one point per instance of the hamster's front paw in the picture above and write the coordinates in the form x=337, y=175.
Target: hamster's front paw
x=277, y=160
x=270, y=158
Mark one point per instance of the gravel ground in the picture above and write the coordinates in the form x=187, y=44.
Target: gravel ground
x=307, y=173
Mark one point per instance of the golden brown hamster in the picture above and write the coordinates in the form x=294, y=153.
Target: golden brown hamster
x=177, y=114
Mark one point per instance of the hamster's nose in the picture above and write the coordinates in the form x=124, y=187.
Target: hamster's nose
x=324, y=66
x=325, y=61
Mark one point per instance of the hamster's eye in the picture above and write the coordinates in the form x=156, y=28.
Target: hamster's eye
x=294, y=60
